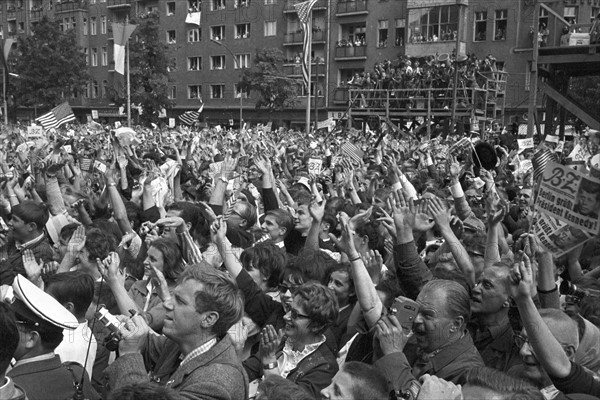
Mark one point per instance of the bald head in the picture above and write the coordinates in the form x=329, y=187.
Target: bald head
x=563, y=328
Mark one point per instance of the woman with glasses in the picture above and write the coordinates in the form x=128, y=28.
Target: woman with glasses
x=298, y=352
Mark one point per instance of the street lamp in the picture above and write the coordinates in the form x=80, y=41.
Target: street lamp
x=238, y=66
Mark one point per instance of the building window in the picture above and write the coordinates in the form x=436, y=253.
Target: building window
x=217, y=91
x=85, y=26
x=217, y=32
x=217, y=5
x=194, y=5
x=243, y=61
x=480, y=33
x=86, y=94
x=170, y=8
x=171, y=37
x=500, y=24
x=172, y=67
x=172, y=92
x=241, y=3
x=104, y=55
x=382, y=33
x=270, y=28
x=194, y=35
x=104, y=88
x=270, y=2
x=92, y=26
x=434, y=24
x=103, y=25
x=353, y=35
x=87, y=56
x=240, y=93
x=595, y=11
x=400, y=25
x=194, y=92
x=543, y=16
x=194, y=63
x=242, y=31
x=570, y=14
x=95, y=89
x=217, y=62
x=94, y=57
x=73, y=23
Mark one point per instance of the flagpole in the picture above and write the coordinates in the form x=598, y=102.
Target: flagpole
x=309, y=67
x=4, y=95
x=128, y=77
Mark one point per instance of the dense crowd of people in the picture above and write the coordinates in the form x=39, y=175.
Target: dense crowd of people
x=275, y=264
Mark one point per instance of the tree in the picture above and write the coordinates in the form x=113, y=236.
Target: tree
x=266, y=77
x=50, y=65
x=586, y=91
x=149, y=69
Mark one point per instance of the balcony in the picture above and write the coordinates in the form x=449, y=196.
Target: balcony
x=289, y=5
x=70, y=6
x=351, y=53
x=11, y=16
x=290, y=39
x=296, y=70
x=118, y=4
x=347, y=8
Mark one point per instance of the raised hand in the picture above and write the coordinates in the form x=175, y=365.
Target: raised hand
x=521, y=278
x=218, y=230
x=77, y=241
x=33, y=269
x=390, y=334
x=317, y=210
x=270, y=341
x=439, y=212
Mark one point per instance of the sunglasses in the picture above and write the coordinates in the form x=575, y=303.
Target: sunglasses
x=295, y=315
x=285, y=287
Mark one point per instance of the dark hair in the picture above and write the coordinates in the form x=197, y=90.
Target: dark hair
x=99, y=244
x=67, y=231
x=283, y=218
x=50, y=336
x=275, y=387
x=368, y=382
x=9, y=336
x=312, y=265
x=220, y=293
x=172, y=259
x=375, y=242
x=510, y=388
x=76, y=287
x=249, y=214
x=108, y=227
x=192, y=214
x=346, y=268
x=32, y=212
x=268, y=258
x=143, y=391
x=133, y=214
x=391, y=288
x=320, y=305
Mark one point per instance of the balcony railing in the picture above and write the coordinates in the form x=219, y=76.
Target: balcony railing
x=351, y=52
x=69, y=6
x=289, y=5
x=351, y=8
x=11, y=15
x=297, y=37
x=115, y=4
x=296, y=70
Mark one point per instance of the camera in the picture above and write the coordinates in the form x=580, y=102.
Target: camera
x=111, y=342
x=575, y=293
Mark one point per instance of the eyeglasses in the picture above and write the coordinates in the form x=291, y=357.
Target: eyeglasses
x=295, y=315
x=283, y=287
x=520, y=340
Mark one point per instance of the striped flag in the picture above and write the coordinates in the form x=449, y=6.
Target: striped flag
x=540, y=160
x=350, y=150
x=304, y=10
x=59, y=115
x=189, y=117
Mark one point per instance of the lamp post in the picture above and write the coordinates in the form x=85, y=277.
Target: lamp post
x=238, y=66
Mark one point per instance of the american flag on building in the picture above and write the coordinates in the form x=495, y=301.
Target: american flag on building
x=58, y=116
x=304, y=15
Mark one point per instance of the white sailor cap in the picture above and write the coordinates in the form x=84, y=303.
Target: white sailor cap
x=38, y=307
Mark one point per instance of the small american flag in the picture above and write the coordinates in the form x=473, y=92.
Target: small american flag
x=189, y=117
x=85, y=164
x=59, y=115
x=540, y=160
x=350, y=150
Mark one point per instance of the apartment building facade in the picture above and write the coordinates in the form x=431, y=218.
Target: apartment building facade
x=220, y=38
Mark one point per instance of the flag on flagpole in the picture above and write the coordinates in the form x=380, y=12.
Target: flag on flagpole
x=189, y=117
x=6, y=46
x=350, y=150
x=304, y=10
x=121, y=35
x=59, y=115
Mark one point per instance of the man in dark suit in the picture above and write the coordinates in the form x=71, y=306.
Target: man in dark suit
x=195, y=357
